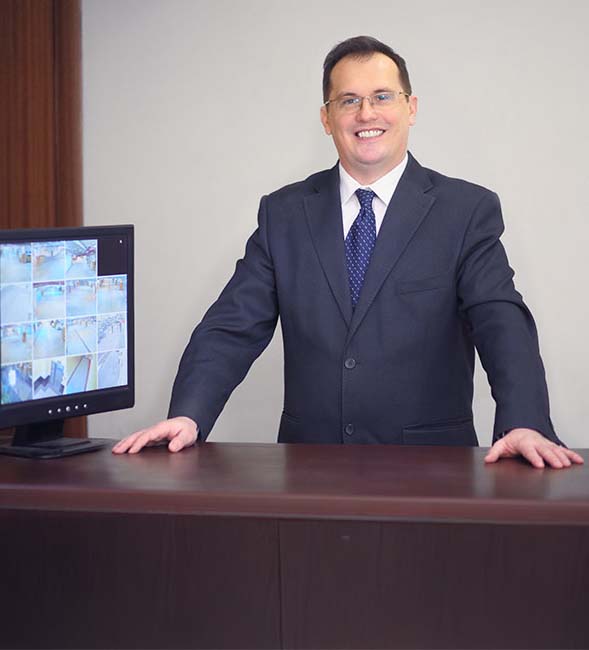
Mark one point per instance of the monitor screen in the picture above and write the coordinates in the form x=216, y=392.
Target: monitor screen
x=66, y=322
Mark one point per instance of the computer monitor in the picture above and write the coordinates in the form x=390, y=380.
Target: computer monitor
x=66, y=333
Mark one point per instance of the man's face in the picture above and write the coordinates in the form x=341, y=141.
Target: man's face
x=368, y=156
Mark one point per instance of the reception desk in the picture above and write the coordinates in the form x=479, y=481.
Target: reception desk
x=293, y=546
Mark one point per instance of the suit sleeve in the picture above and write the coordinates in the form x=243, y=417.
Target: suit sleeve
x=501, y=326
x=233, y=333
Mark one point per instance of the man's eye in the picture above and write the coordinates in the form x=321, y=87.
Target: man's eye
x=383, y=98
x=350, y=101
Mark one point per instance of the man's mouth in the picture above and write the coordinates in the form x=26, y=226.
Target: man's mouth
x=372, y=133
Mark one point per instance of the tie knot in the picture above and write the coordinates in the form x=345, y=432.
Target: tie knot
x=365, y=197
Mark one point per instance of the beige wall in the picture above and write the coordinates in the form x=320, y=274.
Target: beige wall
x=193, y=110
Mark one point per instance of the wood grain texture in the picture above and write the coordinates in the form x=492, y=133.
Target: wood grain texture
x=416, y=585
x=143, y=581
x=68, y=123
x=28, y=169
x=295, y=546
x=41, y=120
x=377, y=482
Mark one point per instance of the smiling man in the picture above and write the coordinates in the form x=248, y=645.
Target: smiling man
x=368, y=110
x=386, y=276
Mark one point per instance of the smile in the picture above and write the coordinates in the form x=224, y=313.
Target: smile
x=373, y=133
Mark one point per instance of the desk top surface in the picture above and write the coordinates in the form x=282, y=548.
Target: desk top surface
x=310, y=481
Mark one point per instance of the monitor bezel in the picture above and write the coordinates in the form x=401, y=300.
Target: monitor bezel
x=100, y=400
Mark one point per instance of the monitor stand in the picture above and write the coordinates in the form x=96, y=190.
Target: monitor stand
x=45, y=440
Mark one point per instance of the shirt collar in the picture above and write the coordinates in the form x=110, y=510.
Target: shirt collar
x=384, y=187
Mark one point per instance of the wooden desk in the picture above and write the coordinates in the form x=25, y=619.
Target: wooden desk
x=294, y=546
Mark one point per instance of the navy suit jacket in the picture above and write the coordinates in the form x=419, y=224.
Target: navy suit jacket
x=399, y=367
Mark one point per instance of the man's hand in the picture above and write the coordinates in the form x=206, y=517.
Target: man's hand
x=533, y=446
x=180, y=431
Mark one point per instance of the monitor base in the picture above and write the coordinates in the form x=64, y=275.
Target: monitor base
x=56, y=448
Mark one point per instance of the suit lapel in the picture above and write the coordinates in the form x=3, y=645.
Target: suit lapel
x=407, y=209
x=324, y=217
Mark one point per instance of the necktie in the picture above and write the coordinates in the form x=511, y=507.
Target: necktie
x=360, y=243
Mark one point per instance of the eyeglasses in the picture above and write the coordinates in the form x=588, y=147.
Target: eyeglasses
x=353, y=103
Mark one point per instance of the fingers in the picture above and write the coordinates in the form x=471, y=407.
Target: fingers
x=549, y=456
x=556, y=456
x=181, y=432
x=148, y=437
x=123, y=445
x=496, y=451
x=573, y=456
x=136, y=441
x=535, y=448
x=560, y=457
x=560, y=452
x=533, y=456
x=183, y=438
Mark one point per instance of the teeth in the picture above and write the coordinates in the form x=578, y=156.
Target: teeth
x=370, y=134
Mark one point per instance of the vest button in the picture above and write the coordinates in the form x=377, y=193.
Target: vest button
x=350, y=363
x=349, y=429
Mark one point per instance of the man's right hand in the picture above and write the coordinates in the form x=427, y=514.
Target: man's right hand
x=180, y=431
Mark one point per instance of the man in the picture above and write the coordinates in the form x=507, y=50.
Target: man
x=386, y=276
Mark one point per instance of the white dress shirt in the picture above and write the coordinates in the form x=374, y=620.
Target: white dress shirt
x=384, y=189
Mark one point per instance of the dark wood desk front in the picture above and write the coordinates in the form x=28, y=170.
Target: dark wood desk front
x=294, y=546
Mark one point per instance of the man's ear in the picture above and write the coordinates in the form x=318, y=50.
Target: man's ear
x=412, y=109
x=324, y=115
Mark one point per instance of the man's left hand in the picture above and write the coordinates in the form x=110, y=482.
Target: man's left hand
x=534, y=447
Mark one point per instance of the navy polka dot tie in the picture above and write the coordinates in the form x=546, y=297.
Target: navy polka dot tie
x=360, y=243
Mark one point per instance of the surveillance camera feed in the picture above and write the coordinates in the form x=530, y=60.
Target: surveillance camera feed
x=63, y=318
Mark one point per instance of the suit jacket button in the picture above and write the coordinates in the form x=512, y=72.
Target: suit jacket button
x=349, y=429
x=350, y=363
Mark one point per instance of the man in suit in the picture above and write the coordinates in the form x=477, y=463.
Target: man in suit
x=385, y=275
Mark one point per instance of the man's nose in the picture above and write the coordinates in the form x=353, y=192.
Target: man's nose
x=366, y=111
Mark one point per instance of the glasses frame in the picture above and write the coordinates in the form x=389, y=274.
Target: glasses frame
x=370, y=98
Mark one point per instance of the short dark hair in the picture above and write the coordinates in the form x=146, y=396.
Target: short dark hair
x=360, y=47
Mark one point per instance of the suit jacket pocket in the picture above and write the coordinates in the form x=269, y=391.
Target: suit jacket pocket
x=441, y=281
x=457, y=433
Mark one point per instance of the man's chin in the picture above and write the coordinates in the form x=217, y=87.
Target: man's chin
x=369, y=165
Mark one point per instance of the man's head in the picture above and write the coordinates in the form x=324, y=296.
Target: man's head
x=368, y=106
x=360, y=47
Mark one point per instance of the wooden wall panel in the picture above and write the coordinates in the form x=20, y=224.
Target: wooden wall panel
x=108, y=580
x=68, y=102
x=41, y=118
x=29, y=182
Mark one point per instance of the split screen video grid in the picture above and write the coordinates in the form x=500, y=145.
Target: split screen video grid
x=63, y=326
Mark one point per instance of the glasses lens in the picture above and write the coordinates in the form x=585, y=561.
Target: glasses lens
x=383, y=99
x=353, y=104
x=349, y=104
